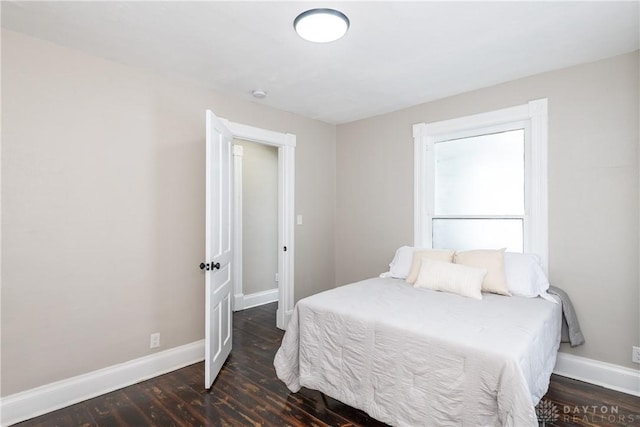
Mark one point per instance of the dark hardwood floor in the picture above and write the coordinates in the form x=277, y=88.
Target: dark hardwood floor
x=247, y=393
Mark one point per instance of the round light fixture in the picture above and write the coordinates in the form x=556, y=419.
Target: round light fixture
x=321, y=25
x=257, y=93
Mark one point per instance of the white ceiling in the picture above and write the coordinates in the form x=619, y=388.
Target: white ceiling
x=395, y=55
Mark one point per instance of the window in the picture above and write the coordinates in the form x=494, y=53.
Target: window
x=481, y=181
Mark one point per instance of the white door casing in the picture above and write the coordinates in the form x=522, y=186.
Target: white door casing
x=238, y=295
x=286, y=144
x=218, y=247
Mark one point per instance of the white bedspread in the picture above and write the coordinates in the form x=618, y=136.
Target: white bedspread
x=414, y=357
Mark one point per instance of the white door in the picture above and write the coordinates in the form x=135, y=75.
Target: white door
x=218, y=250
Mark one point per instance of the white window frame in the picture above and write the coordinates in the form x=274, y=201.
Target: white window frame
x=534, y=119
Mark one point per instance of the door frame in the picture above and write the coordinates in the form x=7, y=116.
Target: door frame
x=286, y=143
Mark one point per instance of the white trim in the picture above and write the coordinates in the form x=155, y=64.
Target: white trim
x=286, y=144
x=539, y=211
x=32, y=403
x=420, y=184
x=287, y=316
x=491, y=118
x=614, y=377
x=534, y=116
x=238, y=300
x=286, y=225
x=259, y=298
x=50, y=397
x=259, y=135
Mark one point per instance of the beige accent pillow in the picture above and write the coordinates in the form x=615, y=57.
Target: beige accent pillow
x=449, y=277
x=443, y=255
x=491, y=260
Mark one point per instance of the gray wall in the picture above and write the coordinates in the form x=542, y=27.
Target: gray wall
x=103, y=209
x=593, y=191
x=259, y=217
x=103, y=202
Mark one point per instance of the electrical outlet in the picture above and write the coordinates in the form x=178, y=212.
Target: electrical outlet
x=635, y=355
x=154, y=342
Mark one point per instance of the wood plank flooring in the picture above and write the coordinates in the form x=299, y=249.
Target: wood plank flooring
x=247, y=393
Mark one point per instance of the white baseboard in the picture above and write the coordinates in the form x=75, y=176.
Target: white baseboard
x=604, y=374
x=259, y=298
x=242, y=301
x=31, y=403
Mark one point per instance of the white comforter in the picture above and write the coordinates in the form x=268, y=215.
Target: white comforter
x=415, y=357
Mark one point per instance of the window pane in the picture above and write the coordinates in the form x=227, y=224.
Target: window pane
x=465, y=234
x=480, y=175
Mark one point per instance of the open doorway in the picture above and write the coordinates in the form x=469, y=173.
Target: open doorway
x=256, y=207
x=285, y=144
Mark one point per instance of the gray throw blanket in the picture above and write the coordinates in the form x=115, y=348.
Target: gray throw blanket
x=571, y=332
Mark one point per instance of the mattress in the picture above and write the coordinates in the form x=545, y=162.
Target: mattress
x=416, y=357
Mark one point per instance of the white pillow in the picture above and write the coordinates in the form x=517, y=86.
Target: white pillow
x=492, y=261
x=525, y=276
x=401, y=263
x=443, y=255
x=449, y=277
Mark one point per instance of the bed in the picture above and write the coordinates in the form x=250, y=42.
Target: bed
x=416, y=357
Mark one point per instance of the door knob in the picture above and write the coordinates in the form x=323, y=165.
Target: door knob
x=204, y=266
x=215, y=266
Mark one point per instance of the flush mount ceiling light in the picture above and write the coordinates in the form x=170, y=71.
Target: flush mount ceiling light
x=321, y=25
